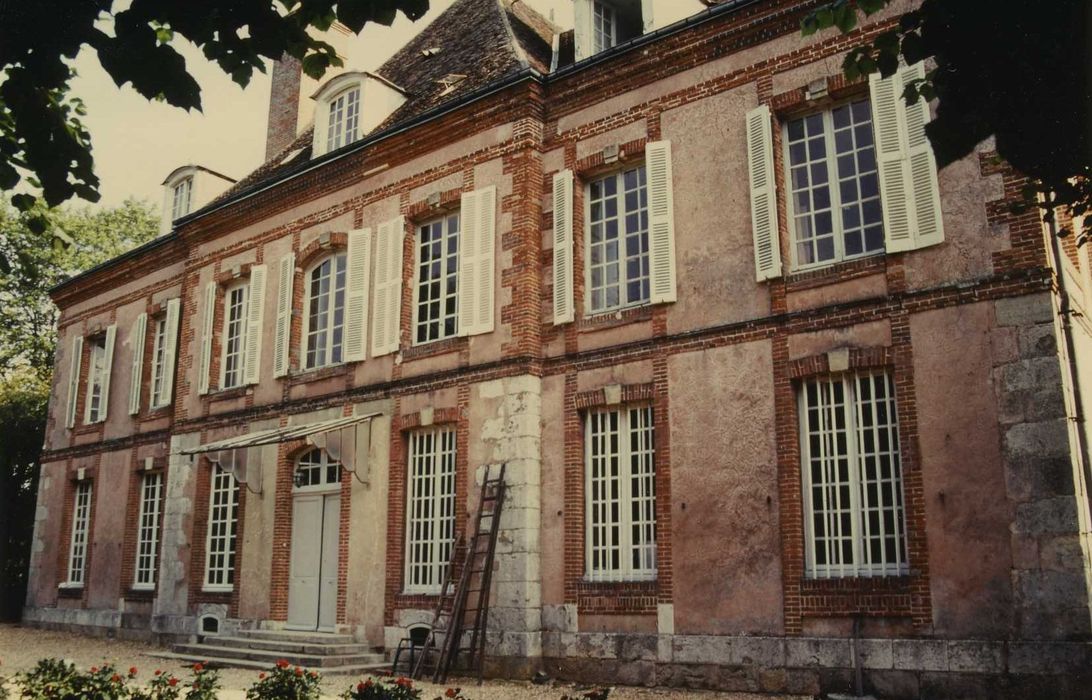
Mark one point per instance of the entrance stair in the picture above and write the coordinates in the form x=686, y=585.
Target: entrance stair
x=261, y=649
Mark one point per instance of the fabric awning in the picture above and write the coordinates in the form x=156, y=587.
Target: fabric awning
x=344, y=439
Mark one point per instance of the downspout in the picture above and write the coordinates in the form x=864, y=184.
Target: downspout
x=1071, y=390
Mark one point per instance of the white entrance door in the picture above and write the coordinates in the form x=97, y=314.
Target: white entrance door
x=316, y=519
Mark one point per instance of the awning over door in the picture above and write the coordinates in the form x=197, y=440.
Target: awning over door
x=345, y=439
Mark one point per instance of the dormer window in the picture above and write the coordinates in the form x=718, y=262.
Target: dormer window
x=344, y=122
x=604, y=26
x=182, y=197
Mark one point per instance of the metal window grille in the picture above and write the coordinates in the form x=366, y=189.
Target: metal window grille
x=852, y=477
x=159, y=352
x=95, y=372
x=344, y=119
x=81, y=519
x=223, y=521
x=430, y=531
x=437, y=280
x=326, y=312
x=604, y=26
x=235, y=311
x=151, y=491
x=618, y=257
x=620, y=489
x=843, y=219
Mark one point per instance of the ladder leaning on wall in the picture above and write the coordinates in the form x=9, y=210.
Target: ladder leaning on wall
x=462, y=610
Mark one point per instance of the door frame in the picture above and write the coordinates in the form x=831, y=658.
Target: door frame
x=324, y=489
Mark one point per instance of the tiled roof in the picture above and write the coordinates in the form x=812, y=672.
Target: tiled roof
x=483, y=40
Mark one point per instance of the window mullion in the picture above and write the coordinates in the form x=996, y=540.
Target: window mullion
x=805, y=473
x=835, y=184
x=824, y=465
x=625, y=493
x=853, y=454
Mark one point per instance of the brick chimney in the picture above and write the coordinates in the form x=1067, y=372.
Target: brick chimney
x=284, y=105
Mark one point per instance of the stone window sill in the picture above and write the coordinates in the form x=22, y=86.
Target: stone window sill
x=614, y=319
x=319, y=373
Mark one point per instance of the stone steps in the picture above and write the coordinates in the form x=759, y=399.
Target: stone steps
x=261, y=649
x=215, y=662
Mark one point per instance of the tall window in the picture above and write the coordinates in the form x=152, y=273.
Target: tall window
x=852, y=477
x=604, y=26
x=159, y=368
x=618, y=240
x=325, y=321
x=96, y=375
x=344, y=119
x=181, y=198
x=151, y=491
x=437, y=280
x=223, y=525
x=620, y=489
x=235, y=310
x=81, y=520
x=430, y=531
x=834, y=190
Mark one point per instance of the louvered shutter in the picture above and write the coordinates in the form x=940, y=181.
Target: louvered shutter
x=358, y=268
x=929, y=225
x=74, y=381
x=286, y=278
x=477, y=220
x=107, y=369
x=386, y=319
x=563, y=247
x=583, y=32
x=204, y=366
x=170, y=349
x=892, y=162
x=255, y=325
x=760, y=167
x=136, y=345
x=661, y=222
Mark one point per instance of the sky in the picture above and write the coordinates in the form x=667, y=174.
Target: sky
x=137, y=143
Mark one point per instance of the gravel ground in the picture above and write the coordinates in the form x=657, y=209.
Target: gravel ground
x=20, y=649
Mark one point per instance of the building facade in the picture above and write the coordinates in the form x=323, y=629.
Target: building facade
x=778, y=400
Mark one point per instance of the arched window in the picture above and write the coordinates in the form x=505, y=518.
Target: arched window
x=324, y=313
x=315, y=468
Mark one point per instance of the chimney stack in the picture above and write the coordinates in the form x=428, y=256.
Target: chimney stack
x=284, y=105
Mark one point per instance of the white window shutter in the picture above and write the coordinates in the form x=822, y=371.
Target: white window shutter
x=563, y=247
x=170, y=349
x=282, y=337
x=107, y=369
x=583, y=34
x=322, y=125
x=763, y=194
x=357, y=272
x=204, y=366
x=661, y=222
x=255, y=324
x=387, y=316
x=74, y=381
x=929, y=224
x=136, y=344
x=891, y=156
x=478, y=227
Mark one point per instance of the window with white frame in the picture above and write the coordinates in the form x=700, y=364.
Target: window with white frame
x=96, y=376
x=852, y=477
x=437, y=289
x=604, y=26
x=620, y=492
x=325, y=313
x=316, y=469
x=618, y=260
x=430, y=526
x=181, y=198
x=222, y=528
x=343, y=122
x=234, y=335
x=151, y=492
x=159, y=359
x=81, y=521
x=834, y=189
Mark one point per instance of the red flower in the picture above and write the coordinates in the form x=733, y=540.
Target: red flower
x=198, y=667
x=314, y=674
x=132, y=671
x=115, y=678
x=261, y=675
x=282, y=664
x=172, y=682
x=158, y=672
x=451, y=692
x=94, y=669
x=299, y=671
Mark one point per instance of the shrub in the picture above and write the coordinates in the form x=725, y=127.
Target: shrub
x=163, y=686
x=400, y=688
x=205, y=684
x=453, y=694
x=285, y=682
x=59, y=680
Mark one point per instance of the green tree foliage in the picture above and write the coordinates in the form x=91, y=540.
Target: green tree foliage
x=42, y=137
x=1017, y=72
x=27, y=337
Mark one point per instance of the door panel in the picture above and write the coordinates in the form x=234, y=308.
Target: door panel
x=327, y=601
x=305, y=567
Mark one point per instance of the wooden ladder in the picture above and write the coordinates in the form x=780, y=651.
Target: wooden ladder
x=465, y=608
